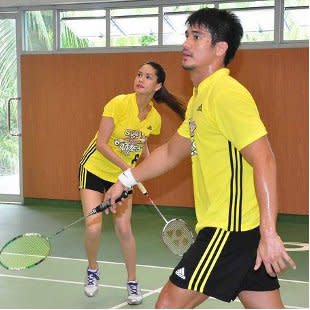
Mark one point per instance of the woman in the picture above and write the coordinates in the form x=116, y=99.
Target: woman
x=127, y=122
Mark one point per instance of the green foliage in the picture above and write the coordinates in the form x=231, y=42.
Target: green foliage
x=144, y=40
x=8, y=85
x=7, y=57
x=39, y=30
x=147, y=40
x=125, y=41
x=293, y=31
x=70, y=40
x=8, y=155
x=8, y=145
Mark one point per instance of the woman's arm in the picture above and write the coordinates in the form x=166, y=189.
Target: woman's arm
x=146, y=151
x=105, y=130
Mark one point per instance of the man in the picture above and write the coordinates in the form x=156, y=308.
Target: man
x=237, y=251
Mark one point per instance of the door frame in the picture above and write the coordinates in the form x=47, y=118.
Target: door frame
x=16, y=198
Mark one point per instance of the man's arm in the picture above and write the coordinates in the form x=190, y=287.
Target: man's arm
x=161, y=160
x=271, y=250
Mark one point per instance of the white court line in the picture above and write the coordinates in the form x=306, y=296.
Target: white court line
x=107, y=262
x=149, y=266
x=145, y=266
x=157, y=291
x=293, y=281
x=65, y=281
x=149, y=292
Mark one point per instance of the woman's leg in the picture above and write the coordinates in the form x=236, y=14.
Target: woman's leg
x=93, y=224
x=91, y=199
x=122, y=223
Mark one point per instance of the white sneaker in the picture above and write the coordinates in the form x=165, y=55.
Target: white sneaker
x=91, y=283
x=134, y=293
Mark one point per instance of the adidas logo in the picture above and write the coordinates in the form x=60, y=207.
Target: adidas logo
x=181, y=273
x=199, y=108
x=150, y=127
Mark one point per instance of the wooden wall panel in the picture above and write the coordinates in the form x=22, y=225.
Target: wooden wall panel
x=63, y=97
x=278, y=80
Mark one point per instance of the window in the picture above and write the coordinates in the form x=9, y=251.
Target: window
x=39, y=34
x=109, y=25
x=257, y=19
x=134, y=27
x=81, y=29
x=174, y=18
x=296, y=20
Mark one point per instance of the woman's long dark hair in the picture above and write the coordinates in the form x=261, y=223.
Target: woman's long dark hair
x=163, y=95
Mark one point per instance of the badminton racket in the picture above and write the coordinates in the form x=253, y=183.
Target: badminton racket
x=176, y=234
x=30, y=249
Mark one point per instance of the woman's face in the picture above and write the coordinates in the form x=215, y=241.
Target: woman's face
x=145, y=82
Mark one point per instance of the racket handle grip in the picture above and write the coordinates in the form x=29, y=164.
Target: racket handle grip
x=106, y=204
x=142, y=189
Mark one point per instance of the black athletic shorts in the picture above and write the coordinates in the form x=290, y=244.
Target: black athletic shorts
x=221, y=264
x=88, y=180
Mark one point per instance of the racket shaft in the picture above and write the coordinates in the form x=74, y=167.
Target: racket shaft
x=68, y=226
x=145, y=193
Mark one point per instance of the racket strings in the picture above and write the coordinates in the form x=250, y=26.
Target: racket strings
x=177, y=236
x=25, y=251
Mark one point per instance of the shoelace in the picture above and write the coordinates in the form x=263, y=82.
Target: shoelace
x=133, y=287
x=92, y=277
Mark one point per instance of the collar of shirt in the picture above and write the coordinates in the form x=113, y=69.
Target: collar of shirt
x=210, y=79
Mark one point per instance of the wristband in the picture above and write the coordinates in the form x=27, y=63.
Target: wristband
x=127, y=179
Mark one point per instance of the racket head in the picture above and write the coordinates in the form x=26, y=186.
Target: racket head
x=25, y=251
x=177, y=236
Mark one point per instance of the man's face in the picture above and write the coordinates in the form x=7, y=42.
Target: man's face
x=198, y=52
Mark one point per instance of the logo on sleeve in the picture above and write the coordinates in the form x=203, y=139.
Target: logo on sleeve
x=181, y=273
x=192, y=128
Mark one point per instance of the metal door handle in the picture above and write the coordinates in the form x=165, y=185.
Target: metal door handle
x=15, y=134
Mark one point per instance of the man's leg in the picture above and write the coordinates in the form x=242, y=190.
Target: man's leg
x=261, y=300
x=172, y=297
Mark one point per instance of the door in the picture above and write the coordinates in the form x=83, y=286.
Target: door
x=10, y=111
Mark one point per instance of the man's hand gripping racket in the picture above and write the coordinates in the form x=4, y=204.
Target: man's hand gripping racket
x=176, y=234
x=30, y=249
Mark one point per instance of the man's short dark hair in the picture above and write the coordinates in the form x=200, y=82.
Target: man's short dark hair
x=222, y=25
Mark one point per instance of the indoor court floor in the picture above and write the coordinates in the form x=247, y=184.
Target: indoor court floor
x=57, y=283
